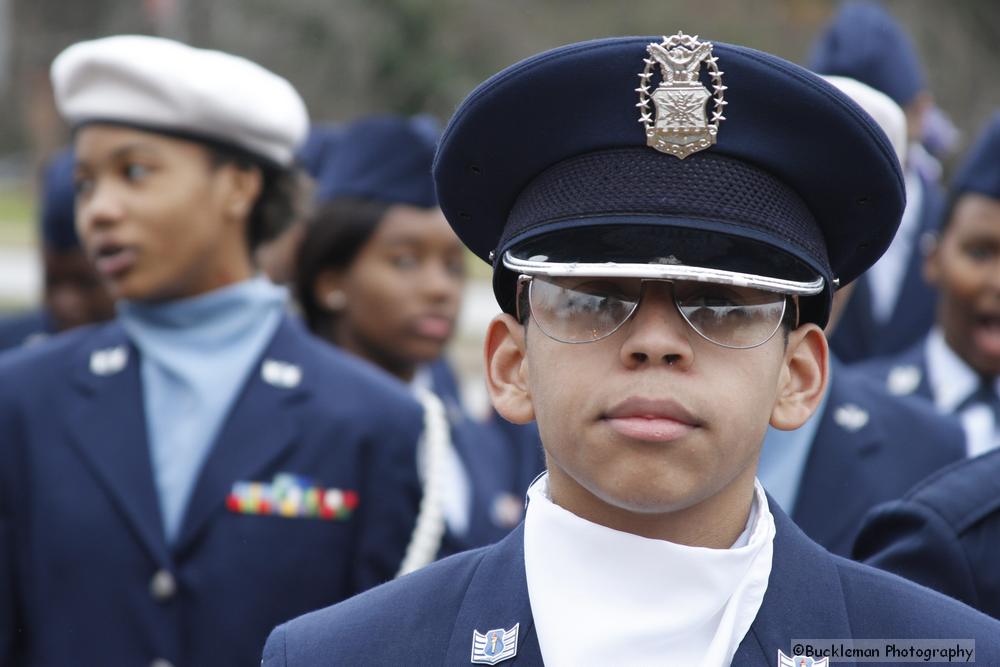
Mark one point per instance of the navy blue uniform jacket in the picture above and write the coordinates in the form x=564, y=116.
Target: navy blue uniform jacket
x=859, y=336
x=427, y=618
x=944, y=534
x=870, y=447
x=81, y=539
x=16, y=330
x=903, y=374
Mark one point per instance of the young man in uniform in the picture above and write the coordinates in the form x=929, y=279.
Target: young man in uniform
x=862, y=446
x=957, y=364
x=666, y=230
x=945, y=533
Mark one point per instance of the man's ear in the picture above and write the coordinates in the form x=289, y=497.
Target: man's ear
x=803, y=378
x=507, y=369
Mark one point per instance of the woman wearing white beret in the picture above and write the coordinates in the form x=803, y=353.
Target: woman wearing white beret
x=177, y=482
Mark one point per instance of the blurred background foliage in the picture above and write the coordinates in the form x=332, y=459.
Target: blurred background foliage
x=350, y=57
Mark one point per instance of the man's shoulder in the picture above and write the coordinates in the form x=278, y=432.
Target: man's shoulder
x=883, y=605
x=35, y=363
x=18, y=329
x=901, y=372
x=903, y=415
x=410, y=619
x=962, y=494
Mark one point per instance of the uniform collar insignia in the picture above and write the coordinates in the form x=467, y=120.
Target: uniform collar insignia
x=681, y=125
x=494, y=646
x=281, y=374
x=851, y=417
x=903, y=380
x=108, y=361
x=801, y=661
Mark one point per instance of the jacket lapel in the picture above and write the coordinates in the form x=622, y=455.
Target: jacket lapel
x=907, y=373
x=804, y=599
x=260, y=428
x=845, y=437
x=109, y=430
x=497, y=597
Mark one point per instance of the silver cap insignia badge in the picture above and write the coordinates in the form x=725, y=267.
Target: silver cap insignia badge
x=681, y=126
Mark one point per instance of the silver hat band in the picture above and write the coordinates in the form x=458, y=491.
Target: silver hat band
x=665, y=271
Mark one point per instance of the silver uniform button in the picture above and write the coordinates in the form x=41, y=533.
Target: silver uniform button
x=161, y=662
x=162, y=587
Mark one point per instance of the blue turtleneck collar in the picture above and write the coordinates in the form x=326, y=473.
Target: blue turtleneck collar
x=196, y=354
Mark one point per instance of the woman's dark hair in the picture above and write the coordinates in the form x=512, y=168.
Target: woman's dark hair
x=283, y=199
x=335, y=234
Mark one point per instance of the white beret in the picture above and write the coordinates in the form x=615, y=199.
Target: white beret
x=882, y=108
x=162, y=85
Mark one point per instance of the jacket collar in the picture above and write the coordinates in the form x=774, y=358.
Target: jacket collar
x=804, y=598
x=109, y=430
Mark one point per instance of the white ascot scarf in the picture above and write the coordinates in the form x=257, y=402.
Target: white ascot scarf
x=603, y=597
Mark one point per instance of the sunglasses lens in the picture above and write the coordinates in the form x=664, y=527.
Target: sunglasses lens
x=740, y=317
x=581, y=310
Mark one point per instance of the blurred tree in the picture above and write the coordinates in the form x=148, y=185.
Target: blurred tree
x=350, y=57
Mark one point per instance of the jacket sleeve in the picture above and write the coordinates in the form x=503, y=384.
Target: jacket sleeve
x=912, y=540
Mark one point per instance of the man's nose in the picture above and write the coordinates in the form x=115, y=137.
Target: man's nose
x=656, y=333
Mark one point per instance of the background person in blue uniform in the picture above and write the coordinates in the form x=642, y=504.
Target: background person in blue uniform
x=957, y=364
x=892, y=305
x=944, y=534
x=659, y=313
x=73, y=293
x=381, y=275
x=176, y=482
x=862, y=446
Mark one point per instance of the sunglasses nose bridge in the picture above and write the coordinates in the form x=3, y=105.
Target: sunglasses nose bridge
x=669, y=297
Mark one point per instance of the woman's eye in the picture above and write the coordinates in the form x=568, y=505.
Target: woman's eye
x=404, y=261
x=83, y=186
x=980, y=252
x=136, y=172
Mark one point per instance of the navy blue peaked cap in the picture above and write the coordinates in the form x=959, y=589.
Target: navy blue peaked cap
x=980, y=172
x=864, y=42
x=801, y=180
x=319, y=148
x=382, y=158
x=58, y=223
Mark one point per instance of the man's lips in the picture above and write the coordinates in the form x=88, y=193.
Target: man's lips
x=653, y=420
